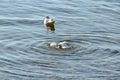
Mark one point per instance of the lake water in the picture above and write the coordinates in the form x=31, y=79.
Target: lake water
x=93, y=27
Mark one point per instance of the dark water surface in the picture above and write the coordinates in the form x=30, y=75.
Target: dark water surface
x=92, y=26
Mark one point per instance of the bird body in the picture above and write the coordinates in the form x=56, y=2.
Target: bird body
x=61, y=45
x=49, y=24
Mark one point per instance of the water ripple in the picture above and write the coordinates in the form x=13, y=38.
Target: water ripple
x=91, y=26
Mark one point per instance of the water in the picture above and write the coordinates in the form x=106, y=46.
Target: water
x=92, y=26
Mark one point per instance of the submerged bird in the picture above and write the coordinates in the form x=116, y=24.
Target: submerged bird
x=61, y=45
x=49, y=24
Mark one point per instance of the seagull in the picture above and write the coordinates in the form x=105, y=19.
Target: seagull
x=61, y=45
x=49, y=24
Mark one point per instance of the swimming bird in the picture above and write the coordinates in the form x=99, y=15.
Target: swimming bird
x=49, y=24
x=61, y=45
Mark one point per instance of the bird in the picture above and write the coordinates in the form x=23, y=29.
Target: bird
x=49, y=24
x=61, y=45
